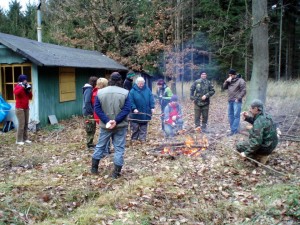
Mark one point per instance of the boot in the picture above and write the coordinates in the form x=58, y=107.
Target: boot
x=116, y=172
x=95, y=164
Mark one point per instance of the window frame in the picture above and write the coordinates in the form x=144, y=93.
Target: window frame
x=13, y=82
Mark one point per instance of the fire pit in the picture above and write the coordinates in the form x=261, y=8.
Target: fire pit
x=192, y=147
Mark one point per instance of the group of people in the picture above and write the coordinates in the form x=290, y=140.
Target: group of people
x=112, y=103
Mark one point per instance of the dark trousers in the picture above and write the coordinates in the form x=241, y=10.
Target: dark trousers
x=138, y=131
x=90, y=128
x=201, y=111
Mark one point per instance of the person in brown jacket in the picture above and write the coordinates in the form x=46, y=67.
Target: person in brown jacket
x=236, y=91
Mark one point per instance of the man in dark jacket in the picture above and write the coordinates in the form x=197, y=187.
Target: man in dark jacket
x=262, y=136
x=112, y=106
x=88, y=111
x=236, y=91
x=201, y=91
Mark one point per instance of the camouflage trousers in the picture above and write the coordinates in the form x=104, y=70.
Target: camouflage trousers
x=90, y=128
x=201, y=111
x=244, y=145
x=138, y=131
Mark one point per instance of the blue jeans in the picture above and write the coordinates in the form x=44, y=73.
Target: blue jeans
x=118, y=140
x=234, y=111
x=171, y=130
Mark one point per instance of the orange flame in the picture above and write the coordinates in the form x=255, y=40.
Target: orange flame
x=190, y=148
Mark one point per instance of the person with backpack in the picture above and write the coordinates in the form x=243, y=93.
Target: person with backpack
x=23, y=94
x=201, y=91
x=173, y=117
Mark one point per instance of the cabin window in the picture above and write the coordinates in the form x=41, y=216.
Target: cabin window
x=67, y=90
x=9, y=78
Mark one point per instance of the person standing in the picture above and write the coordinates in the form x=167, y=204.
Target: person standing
x=129, y=81
x=201, y=91
x=142, y=106
x=173, y=117
x=112, y=106
x=164, y=94
x=236, y=91
x=263, y=137
x=88, y=111
x=23, y=94
x=101, y=83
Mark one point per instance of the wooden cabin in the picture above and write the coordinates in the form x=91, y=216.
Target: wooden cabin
x=56, y=73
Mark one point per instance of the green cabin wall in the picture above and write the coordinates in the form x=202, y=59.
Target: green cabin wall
x=49, y=103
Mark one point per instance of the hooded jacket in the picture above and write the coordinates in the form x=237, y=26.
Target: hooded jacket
x=87, y=106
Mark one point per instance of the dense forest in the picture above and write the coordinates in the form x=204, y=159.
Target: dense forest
x=175, y=38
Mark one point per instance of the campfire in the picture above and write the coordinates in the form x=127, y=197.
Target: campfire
x=190, y=147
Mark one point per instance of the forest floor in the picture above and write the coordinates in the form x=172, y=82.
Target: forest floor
x=49, y=181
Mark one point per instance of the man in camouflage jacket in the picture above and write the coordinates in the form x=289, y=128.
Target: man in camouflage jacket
x=262, y=136
x=201, y=91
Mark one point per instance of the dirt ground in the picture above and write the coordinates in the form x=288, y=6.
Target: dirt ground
x=48, y=182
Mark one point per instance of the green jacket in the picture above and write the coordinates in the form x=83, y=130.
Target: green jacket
x=263, y=136
x=199, y=88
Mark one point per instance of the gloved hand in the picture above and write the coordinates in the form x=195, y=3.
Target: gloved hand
x=174, y=118
x=135, y=111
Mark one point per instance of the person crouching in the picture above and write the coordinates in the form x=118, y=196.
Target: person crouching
x=173, y=117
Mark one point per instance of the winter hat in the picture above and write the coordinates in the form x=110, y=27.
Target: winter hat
x=115, y=76
x=160, y=82
x=258, y=103
x=22, y=77
x=232, y=71
x=174, y=98
x=130, y=74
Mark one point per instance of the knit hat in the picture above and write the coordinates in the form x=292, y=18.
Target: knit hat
x=232, y=71
x=130, y=74
x=160, y=82
x=174, y=98
x=258, y=103
x=22, y=77
x=115, y=76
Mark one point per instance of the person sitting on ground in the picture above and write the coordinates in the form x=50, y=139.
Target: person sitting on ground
x=173, y=117
x=262, y=136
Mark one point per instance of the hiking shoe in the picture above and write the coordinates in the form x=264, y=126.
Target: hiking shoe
x=20, y=143
x=28, y=141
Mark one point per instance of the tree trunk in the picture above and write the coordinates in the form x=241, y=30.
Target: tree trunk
x=260, y=69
